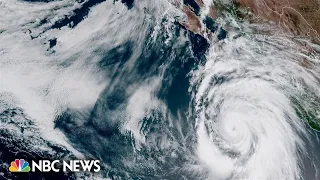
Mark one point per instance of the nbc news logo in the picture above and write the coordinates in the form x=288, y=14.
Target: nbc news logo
x=20, y=165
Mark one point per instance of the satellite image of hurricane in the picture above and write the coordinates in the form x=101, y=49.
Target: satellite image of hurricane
x=161, y=89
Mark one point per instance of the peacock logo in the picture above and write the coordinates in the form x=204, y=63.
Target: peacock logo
x=19, y=165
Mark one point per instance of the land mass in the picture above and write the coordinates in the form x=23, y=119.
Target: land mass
x=300, y=17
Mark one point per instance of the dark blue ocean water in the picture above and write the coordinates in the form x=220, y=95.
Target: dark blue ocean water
x=96, y=133
x=100, y=133
x=148, y=69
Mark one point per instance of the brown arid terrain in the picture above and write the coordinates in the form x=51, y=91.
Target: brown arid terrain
x=300, y=17
x=297, y=17
x=193, y=22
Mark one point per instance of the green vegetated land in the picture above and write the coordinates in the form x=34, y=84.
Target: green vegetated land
x=308, y=116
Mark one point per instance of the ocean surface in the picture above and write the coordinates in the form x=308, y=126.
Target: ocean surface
x=124, y=82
